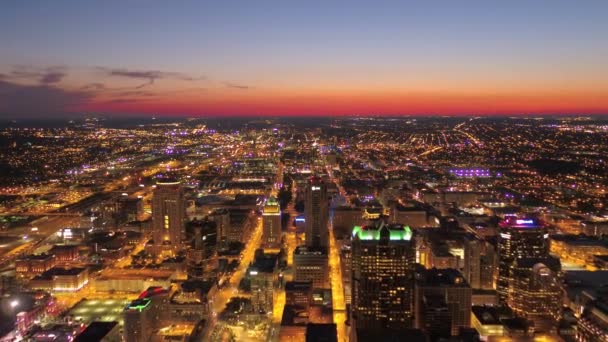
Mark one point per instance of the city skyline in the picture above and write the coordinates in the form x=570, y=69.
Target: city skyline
x=68, y=59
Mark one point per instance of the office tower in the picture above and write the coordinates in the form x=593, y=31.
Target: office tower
x=138, y=321
x=518, y=238
x=201, y=254
x=311, y=264
x=221, y=217
x=383, y=257
x=454, y=292
x=535, y=291
x=480, y=263
x=168, y=216
x=298, y=293
x=316, y=209
x=434, y=313
x=271, y=220
x=262, y=274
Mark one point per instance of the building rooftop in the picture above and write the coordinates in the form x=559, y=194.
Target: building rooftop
x=395, y=232
x=521, y=223
x=36, y=257
x=309, y=250
x=139, y=304
x=298, y=286
x=96, y=331
x=321, y=332
x=60, y=271
x=441, y=277
x=491, y=315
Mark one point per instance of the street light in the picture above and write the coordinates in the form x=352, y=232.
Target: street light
x=14, y=303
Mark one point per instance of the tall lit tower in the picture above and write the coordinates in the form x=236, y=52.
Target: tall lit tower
x=168, y=216
x=271, y=220
x=316, y=211
x=536, y=291
x=383, y=257
x=519, y=238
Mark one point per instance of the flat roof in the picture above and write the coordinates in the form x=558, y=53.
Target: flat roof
x=96, y=331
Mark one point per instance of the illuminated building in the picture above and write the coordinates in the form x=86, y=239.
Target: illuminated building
x=480, y=261
x=121, y=210
x=311, y=263
x=143, y=315
x=64, y=253
x=346, y=268
x=61, y=279
x=518, y=238
x=201, y=256
x=168, y=216
x=262, y=275
x=221, y=217
x=34, y=264
x=138, y=324
x=445, y=296
x=189, y=303
x=410, y=213
x=271, y=220
x=593, y=323
x=316, y=210
x=470, y=172
x=298, y=293
x=579, y=250
x=382, y=286
x=344, y=219
x=487, y=320
x=535, y=291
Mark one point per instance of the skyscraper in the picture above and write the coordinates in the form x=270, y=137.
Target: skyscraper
x=201, y=257
x=480, y=263
x=438, y=290
x=519, y=238
x=168, y=216
x=316, y=209
x=536, y=292
x=382, y=288
x=271, y=220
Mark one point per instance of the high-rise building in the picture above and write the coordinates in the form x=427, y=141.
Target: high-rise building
x=262, y=275
x=433, y=313
x=311, y=264
x=271, y=220
x=168, y=216
x=201, y=257
x=480, y=261
x=518, y=238
x=535, y=291
x=316, y=209
x=138, y=321
x=437, y=290
x=383, y=257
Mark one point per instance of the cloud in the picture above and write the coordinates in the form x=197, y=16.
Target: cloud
x=93, y=86
x=237, y=86
x=48, y=75
x=148, y=76
x=38, y=101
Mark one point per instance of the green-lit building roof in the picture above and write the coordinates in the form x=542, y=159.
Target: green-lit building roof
x=397, y=232
x=139, y=304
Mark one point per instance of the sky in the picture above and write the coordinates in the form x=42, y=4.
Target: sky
x=254, y=58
